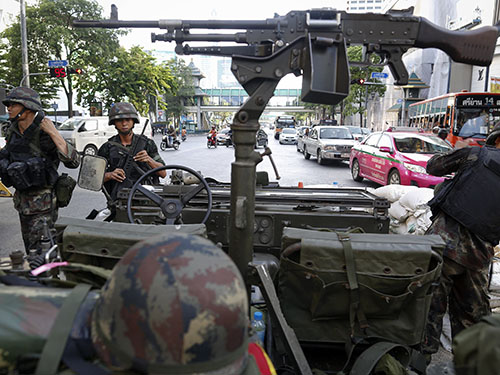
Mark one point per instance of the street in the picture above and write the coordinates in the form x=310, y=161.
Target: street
x=193, y=153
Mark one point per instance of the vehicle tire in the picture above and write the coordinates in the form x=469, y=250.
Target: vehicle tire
x=307, y=155
x=355, y=171
x=394, y=178
x=297, y=147
x=276, y=136
x=208, y=144
x=281, y=143
x=265, y=144
x=90, y=150
x=176, y=146
x=163, y=146
x=319, y=159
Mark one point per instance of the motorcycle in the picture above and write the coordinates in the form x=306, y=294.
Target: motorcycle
x=183, y=137
x=211, y=141
x=165, y=143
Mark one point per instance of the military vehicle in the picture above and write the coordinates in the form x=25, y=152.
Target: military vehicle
x=340, y=294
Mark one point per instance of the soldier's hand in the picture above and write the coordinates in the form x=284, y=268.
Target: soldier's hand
x=142, y=156
x=464, y=143
x=118, y=175
x=47, y=125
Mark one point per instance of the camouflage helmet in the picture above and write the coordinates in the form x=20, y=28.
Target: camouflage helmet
x=25, y=96
x=174, y=304
x=493, y=135
x=123, y=110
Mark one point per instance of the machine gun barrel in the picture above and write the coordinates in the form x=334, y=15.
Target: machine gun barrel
x=181, y=37
x=184, y=24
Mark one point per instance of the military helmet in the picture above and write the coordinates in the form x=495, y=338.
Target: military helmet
x=25, y=96
x=174, y=304
x=493, y=135
x=123, y=110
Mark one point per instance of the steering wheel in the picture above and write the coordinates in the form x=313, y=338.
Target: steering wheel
x=171, y=208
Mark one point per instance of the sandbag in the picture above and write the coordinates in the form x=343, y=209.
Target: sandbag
x=416, y=199
x=393, y=192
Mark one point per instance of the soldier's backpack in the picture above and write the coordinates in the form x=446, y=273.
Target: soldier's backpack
x=477, y=349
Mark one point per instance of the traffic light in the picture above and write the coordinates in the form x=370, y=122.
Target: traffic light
x=358, y=81
x=75, y=71
x=58, y=72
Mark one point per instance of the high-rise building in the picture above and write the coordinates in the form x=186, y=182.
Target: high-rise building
x=363, y=6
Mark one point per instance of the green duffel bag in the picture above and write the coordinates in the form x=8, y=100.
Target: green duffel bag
x=334, y=286
x=477, y=349
x=38, y=319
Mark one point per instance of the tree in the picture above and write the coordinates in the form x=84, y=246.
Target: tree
x=355, y=102
x=51, y=36
x=176, y=101
x=131, y=76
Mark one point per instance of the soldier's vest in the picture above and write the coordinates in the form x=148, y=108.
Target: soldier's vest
x=473, y=197
x=28, y=166
x=118, y=153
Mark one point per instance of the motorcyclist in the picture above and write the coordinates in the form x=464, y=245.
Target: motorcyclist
x=171, y=134
x=183, y=133
x=212, y=135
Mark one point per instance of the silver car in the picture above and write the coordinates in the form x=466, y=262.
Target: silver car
x=328, y=143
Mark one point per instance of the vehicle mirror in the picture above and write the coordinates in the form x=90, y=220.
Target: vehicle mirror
x=385, y=149
x=91, y=176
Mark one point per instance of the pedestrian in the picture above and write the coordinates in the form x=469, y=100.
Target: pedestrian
x=117, y=151
x=465, y=214
x=29, y=162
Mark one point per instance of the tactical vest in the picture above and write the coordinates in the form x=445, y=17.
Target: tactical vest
x=473, y=197
x=118, y=153
x=28, y=166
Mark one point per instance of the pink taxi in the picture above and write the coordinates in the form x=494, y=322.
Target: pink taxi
x=396, y=158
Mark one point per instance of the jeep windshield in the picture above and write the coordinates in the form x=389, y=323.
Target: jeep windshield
x=335, y=133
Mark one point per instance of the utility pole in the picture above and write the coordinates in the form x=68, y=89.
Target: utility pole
x=24, y=45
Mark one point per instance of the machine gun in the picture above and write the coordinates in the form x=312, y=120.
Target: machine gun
x=311, y=43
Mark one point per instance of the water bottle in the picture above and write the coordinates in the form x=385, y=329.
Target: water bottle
x=259, y=327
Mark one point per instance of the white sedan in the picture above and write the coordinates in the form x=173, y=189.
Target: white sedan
x=288, y=136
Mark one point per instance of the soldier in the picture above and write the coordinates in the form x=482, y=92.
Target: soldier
x=124, y=116
x=29, y=162
x=465, y=214
x=174, y=304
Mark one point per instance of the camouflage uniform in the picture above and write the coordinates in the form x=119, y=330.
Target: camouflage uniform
x=36, y=205
x=174, y=304
x=113, y=150
x=464, y=278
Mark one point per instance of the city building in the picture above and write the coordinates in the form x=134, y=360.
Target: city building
x=362, y=6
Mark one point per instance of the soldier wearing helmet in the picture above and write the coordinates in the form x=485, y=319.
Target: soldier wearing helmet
x=29, y=162
x=174, y=304
x=465, y=214
x=124, y=116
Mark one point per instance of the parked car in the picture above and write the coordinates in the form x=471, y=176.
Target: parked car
x=358, y=132
x=261, y=138
x=222, y=136
x=396, y=158
x=328, y=143
x=302, y=133
x=288, y=136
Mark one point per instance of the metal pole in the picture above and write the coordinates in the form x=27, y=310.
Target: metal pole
x=403, y=108
x=366, y=105
x=26, y=77
x=24, y=45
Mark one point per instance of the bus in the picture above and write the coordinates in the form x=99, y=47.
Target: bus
x=283, y=122
x=464, y=115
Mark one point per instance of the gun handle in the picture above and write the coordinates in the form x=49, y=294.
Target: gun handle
x=475, y=47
